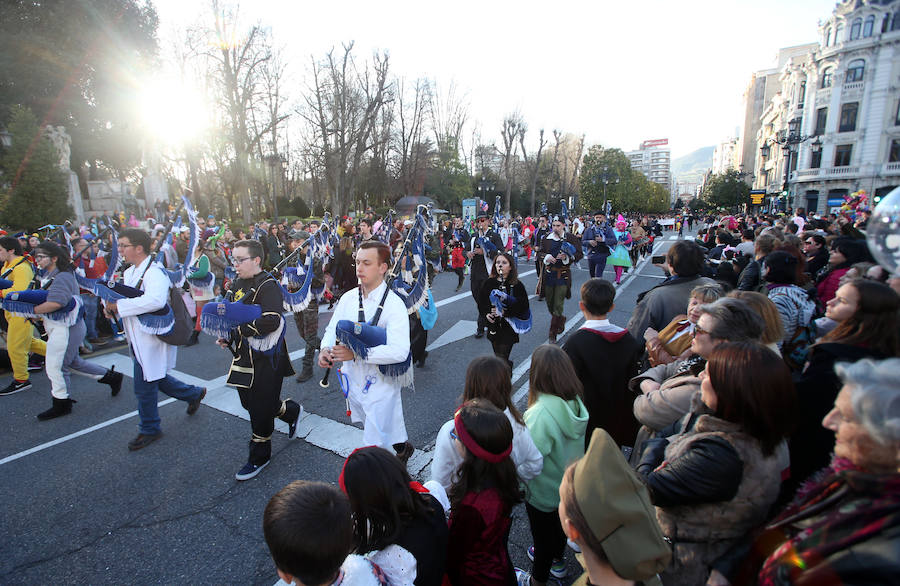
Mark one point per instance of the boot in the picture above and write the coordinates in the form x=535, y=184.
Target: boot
x=552, y=334
x=60, y=407
x=113, y=379
x=305, y=374
x=195, y=338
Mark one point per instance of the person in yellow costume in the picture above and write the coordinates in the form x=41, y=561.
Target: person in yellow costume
x=20, y=339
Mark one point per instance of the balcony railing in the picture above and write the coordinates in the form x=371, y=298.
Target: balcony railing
x=892, y=168
x=828, y=173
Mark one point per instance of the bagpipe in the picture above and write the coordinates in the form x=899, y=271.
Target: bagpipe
x=22, y=304
x=408, y=278
x=157, y=322
x=220, y=319
x=108, y=237
x=297, y=281
x=180, y=272
x=501, y=302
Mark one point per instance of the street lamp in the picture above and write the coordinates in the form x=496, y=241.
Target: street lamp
x=606, y=177
x=788, y=139
x=484, y=187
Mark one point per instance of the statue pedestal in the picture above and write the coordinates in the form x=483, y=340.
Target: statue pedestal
x=155, y=190
x=75, y=201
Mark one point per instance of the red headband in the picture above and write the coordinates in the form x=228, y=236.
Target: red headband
x=473, y=446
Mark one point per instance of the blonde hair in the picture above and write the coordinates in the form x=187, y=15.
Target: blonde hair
x=773, y=329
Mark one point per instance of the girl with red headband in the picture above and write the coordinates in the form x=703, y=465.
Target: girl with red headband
x=482, y=497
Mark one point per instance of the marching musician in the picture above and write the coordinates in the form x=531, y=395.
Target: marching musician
x=19, y=333
x=504, y=279
x=307, y=321
x=152, y=357
x=556, y=279
x=540, y=232
x=257, y=376
x=481, y=260
x=373, y=399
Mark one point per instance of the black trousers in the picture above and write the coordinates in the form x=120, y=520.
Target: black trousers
x=502, y=350
x=476, y=285
x=549, y=541
x=263, y=402
x=461, y=276
x=418, y=338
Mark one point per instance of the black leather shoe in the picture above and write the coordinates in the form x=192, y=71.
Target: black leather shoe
x=142, y=441
x=479, y=334
x=195, y=404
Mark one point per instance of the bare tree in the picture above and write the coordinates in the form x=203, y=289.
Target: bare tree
x=510, y=132
x=449, y=114
x=532, y=167
x=408, y=143
x=343, y=106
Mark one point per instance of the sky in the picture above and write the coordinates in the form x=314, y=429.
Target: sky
x=620, y=73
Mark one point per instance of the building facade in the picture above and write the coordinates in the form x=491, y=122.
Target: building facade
x=844, y=100
x=654, y=159
x=726, y=156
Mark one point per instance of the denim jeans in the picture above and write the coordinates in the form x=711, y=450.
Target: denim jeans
x=90, y=314
x=597, y=265
x=148, y=397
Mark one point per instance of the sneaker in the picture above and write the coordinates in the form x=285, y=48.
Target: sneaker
x=142, y=441
x=405, y=452
x=195, y=404
x=15, y=386
x=119, y=339
x=250, y=470
x=523, y=578
x=35, y=364
x=557, y=570
x=292, y=427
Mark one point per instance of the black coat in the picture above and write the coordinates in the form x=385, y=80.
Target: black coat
x=500, y=331
x=478, y=268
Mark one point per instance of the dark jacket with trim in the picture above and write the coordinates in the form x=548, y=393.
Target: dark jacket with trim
x=262, y=290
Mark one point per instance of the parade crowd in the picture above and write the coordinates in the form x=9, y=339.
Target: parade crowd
x=743, y=427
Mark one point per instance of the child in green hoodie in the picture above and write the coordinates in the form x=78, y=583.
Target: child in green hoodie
x=557, y=420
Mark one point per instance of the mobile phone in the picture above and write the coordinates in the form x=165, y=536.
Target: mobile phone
x=658, y=260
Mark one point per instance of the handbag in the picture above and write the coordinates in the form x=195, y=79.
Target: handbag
x=428, y=312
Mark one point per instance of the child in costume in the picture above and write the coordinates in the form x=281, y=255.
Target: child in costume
x=620, y=258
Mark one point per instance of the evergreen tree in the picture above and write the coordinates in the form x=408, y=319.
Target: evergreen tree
x=33, y=191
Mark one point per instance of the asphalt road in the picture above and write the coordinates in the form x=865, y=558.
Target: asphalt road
x=78, y=507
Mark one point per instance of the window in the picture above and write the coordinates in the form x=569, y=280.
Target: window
x=842, y=155
x=855, y=29
x=827, y=75
x=821, y=119
x=848, y=117
x=894, y=154
x=839, y=33
x=856, y=70
x=816, y=161
x=895, y=22
x=828, y=37
x=802, y=97
x=897, y=115
x=869, y=25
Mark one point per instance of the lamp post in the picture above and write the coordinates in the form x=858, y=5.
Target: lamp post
x=484, y=187
x=788, y=139
x=606, y=177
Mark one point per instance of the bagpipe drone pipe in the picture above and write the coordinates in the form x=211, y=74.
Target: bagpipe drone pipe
x=297, y=281
x=220, y=319
x=179, y=273
x=502, y=302
x=108, y=237
x=156, y=322
x=22, y=304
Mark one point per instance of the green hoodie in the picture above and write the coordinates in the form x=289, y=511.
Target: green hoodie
x=557, y=428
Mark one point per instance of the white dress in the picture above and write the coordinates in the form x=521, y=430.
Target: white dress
x=379, y=407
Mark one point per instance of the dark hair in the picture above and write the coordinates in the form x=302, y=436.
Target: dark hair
x=513, y=276
x=723, y=237
x=875, y=323
x=598, y=296
x=853, y=250
x=63, y=261
x=382, y=503
x=747, y=234
x=552, y=373
x=817, y=238
x=488, y=378
x=254, y=249
x=308, y=530
x=366, y=221
x=753, y=389
x=136, y=238
x=490, y=429
x=12, y=244
x=383, y=250
x=781, y=268
x=686, y=258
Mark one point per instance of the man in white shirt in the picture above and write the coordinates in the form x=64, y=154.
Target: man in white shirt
x=373, y=398
x=152, y=357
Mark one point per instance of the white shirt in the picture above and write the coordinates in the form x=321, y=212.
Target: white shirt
x=379, y=406
x=155, y=356
x=447, y=460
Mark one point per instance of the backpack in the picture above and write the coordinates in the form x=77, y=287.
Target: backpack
x=181, y=331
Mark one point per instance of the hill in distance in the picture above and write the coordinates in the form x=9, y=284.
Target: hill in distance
x=695, y=163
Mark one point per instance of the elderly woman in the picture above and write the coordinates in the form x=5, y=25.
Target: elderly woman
x=715, y=479
x=673, y=342
x=667, y=390
x=773, y=331
x=845, y=527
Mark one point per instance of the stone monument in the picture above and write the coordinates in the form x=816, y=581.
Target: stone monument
x=155, y=187
x=63, y=144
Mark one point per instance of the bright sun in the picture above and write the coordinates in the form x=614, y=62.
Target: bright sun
x=173, y=111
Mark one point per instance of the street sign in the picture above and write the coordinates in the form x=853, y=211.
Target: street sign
x=757, y=196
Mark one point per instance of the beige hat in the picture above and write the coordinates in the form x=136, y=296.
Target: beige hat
x=617, y=508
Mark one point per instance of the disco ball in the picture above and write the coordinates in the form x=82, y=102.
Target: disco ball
x=883, y=232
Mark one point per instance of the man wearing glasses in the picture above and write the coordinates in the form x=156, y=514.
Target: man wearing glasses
x=152, y=357
x=256, y=375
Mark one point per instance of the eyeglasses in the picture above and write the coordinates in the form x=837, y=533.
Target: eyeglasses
x=42, y=256
x=120, y=245
x=699, y=330
x=238, y=260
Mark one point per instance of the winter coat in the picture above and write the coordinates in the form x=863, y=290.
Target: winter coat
x=671, y=401
x=828, y=285
x=794, y=306
x=749, y=278
x=557, y=427
x=712, y=487
x=658, y=306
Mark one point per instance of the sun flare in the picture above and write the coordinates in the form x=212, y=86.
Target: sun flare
x=173, y=111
